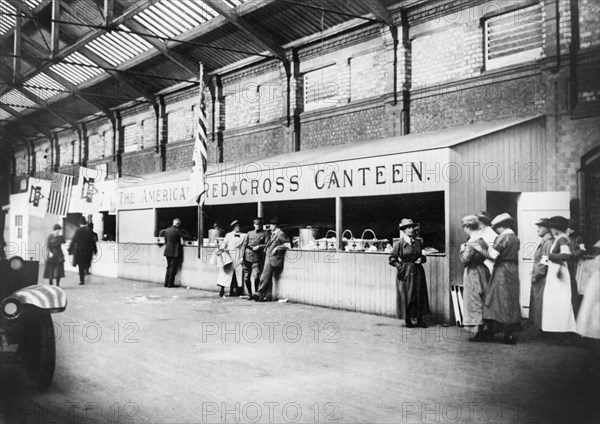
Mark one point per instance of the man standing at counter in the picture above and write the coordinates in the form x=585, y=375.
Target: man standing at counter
x=275, y=249
x=253, y=251
x=173, y=250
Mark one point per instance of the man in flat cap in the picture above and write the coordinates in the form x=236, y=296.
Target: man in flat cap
x=539, y=271
x=275, y=249
x=254, y=258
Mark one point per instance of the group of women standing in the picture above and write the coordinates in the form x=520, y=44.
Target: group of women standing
x=491, y=295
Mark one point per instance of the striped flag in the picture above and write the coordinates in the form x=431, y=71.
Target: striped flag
x=200, y=156
x=60, y=194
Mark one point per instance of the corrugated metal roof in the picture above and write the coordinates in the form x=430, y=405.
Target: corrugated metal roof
x=7, y=21
x=16, y=101
x=71, y=69
x=43, y=86
x=170, y=18
x=117, y=47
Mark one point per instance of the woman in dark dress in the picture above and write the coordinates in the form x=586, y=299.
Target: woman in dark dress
x=475, y=278
x=502, y=308
x=55, y=260
x=411, y=288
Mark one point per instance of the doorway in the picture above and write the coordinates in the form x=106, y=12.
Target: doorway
x=498, y=202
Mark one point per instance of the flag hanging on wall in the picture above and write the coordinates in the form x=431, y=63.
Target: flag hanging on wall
x=200, y=156
x=60, y=194
x=39, y=192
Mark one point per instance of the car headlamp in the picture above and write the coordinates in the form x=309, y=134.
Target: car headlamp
x=10, y=308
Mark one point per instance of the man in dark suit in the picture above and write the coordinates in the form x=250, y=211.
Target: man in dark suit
x=275, y=249
x=173, y=250
x=83, y=248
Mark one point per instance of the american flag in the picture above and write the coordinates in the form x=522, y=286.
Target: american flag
x=200, y=156
x=60, y=194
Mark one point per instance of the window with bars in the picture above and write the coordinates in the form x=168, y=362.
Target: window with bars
x=514, y=37
x=19, y=225
x=321, y=88
x=130, y=141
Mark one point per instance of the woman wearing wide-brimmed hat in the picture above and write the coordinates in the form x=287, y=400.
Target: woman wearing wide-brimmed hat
x=476, y=277
x=557, y=314
x=55, y=259
x=411, y=288
x=502, y=309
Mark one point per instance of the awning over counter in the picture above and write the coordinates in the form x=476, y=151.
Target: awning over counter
x=404, y=164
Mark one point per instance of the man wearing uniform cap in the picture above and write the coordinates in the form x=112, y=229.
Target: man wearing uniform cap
x=253, y=251
x=539, y=271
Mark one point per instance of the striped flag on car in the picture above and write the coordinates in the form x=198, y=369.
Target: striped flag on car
x=60, y=194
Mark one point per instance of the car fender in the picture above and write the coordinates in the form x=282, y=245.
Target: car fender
x=48, y=298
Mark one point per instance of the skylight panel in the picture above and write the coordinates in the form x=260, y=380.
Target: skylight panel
x=43, y=86
x=17, y=101
x=170, y=18
x=71, y=70
x=117, y=47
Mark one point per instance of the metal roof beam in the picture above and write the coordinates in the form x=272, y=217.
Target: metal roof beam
x=10, y=110
x=378, y=9
x=80, y=43
x=161, y=46
x=44, y=105
x=116, y=75
x=17, y=43
x=55, y=28
x=255, y=33
x=32, y=13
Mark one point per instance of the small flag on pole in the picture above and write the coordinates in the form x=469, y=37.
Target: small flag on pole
x=60, y=194
x=200, y=156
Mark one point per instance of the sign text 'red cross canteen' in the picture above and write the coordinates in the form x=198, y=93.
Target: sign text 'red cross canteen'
x=269, y=181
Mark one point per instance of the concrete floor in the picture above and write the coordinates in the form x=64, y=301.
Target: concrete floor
x=136, y=352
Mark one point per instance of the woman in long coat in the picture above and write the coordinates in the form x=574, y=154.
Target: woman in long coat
x=55, y=261
x=232, y=246
x=502, y=307
x=557, y=314
x=411, y=288
x=476, y=277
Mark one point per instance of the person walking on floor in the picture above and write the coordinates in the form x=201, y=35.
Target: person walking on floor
x=253, y=250
x=83, y=248
x=173, y=250
x=502, y=309
x=55, y=260
x=557, y=314
x=411, y=288
x=476, y=277
x=538, y=273
x=231, y=274
x=275, y=249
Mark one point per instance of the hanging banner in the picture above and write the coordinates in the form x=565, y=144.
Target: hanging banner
x=39, y=192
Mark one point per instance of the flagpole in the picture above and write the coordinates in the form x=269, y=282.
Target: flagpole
x=200, y=214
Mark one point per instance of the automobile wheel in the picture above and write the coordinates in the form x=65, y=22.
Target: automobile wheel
x=38, y=349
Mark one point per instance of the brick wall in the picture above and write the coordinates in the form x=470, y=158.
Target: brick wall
x=575, y=138
x=254, y=96
x=485, y=100
x=139, y=163
x=242, y=147
x=455, y=52
x=361, y=125
x=180, y=155
x=589, y=23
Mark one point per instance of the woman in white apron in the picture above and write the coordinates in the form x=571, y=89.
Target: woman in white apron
x=230, y=264
x=557, y=313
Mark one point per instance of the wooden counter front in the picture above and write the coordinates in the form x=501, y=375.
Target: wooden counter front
x=361, y=282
